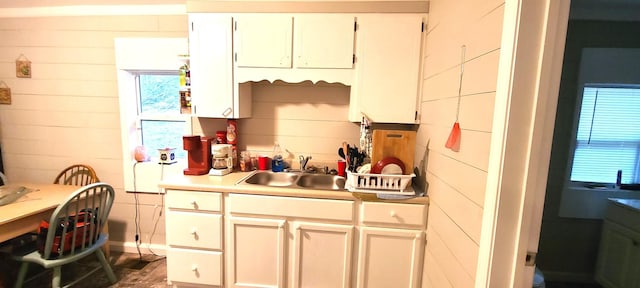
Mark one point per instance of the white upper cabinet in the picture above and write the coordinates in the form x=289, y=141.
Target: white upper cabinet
x=263, y=40
x=213, y=91
x=388, y=62
x=230, y=51
x=315, y=47
x=324, y=41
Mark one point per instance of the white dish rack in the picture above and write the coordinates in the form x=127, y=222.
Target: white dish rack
x=380, y=183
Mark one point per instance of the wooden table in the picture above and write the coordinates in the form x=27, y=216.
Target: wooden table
x=24, y=215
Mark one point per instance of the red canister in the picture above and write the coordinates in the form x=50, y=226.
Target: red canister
x=221, y=137
x=232, y=131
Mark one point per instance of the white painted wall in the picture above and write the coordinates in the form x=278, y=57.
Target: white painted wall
x=456, y=180
x=68, y=111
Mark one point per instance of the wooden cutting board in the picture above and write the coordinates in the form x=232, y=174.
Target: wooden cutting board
x=394, y=143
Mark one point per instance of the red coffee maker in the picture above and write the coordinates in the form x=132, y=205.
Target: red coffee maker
x=199, y=154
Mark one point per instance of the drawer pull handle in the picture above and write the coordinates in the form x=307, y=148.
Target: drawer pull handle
x=393, y=213
x=194, y=267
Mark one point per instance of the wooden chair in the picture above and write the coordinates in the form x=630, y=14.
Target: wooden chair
x=77, y=174
x=78, y=221
x=3, y=179
x=81, y=175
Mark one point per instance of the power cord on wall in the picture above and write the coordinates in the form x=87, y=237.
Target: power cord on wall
x=155, y=224
x=137, y=209
x=138, y=232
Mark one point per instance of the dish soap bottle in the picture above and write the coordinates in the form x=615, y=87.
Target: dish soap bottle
x=277, y=161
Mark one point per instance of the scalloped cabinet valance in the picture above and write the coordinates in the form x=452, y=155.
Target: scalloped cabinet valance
x=377, y=54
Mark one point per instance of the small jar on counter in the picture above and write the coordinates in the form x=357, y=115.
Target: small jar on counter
x=245, y=161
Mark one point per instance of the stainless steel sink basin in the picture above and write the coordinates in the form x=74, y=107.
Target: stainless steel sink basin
x=272, y=179
x=321, y=181
x=295, y=180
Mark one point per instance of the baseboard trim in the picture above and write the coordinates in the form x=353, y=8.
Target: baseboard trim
x=131, y=247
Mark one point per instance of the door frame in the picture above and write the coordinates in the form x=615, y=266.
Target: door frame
x=531, y=54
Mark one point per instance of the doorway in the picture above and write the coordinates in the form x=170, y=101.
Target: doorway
x=568, y=246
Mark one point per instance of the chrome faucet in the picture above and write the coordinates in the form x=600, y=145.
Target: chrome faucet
x=303, y=162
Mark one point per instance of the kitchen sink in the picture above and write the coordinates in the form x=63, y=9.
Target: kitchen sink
x=295, y=180
x=272, y=179
x=321, y=181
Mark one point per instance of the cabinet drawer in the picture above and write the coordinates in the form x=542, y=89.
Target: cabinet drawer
x=193, y=229
x=194, y=267
x=339, y=210
x=410, y=215
x=192, y=200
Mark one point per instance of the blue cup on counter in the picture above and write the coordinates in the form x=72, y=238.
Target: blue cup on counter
x=277, y=164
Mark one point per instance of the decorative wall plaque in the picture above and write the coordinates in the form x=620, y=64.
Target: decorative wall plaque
x=23, y=67
x=5, y=93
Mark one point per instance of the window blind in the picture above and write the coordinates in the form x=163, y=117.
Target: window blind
x=608, y=136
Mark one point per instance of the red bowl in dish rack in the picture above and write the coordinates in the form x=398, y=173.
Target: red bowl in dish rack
x=388, y=165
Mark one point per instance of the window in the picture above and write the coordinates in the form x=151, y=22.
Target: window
x=160, y=124
x=148, y=92
x=608, y=136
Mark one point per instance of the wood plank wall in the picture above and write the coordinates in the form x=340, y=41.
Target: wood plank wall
x=68, y=111
x=456, y=180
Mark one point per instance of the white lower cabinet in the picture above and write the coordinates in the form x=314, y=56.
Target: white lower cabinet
x=390, y=257
x=321, y=255
x=188, y=266
x=269, y=245
x=255, y=252
x=273, y=241
x=618, y=264
x=391, y=247
x=194, y=238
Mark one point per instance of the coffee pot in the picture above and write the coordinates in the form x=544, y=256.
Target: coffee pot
x=221, y=159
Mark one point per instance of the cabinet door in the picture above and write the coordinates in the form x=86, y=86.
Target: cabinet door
x=211, y=64
x=263, y=40
x=322, y=255
x=618, y=257
x=255, y=252
x=389, y=258
x=388, y=66
x=324, y=41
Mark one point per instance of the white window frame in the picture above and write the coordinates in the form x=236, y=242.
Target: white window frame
x=133, y=56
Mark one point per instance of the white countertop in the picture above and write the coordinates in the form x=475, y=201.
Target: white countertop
x=229, y=184
x=629, y=203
